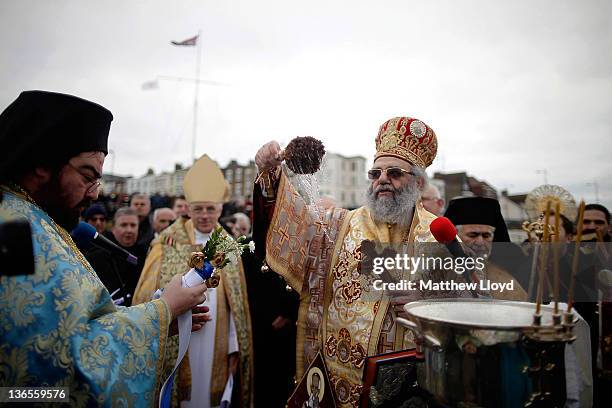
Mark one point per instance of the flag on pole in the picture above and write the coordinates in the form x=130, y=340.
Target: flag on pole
x=190, y=42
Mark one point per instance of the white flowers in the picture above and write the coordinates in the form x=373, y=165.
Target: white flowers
x=221, y=249
x=232, y=257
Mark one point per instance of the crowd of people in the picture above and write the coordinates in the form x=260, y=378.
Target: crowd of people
x=91, y=321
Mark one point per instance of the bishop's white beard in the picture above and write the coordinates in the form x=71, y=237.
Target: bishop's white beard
x=395, y=209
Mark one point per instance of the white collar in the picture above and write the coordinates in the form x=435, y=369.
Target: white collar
x=201, y=238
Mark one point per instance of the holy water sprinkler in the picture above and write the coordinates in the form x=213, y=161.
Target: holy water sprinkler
x=303, y=155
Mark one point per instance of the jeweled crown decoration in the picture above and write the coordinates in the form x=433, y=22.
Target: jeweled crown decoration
x=408, y=139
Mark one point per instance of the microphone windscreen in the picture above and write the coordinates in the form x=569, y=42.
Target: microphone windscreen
x=83, y=233
x=443, y=230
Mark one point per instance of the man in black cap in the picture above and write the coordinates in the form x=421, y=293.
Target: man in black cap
x=479, y=224
x=59, y=326
x=96, y=217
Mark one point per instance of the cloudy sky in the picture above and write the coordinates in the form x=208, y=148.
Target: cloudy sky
x=509, y=87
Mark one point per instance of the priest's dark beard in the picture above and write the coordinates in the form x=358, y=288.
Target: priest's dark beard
x=395, y=209
x=52, y=198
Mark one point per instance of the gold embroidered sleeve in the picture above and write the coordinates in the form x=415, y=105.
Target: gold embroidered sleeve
x=294, y=237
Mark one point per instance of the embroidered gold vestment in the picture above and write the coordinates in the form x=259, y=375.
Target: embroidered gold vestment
x=168, y=256
x=319, y=256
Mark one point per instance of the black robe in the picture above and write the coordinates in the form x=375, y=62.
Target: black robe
x=119, y=276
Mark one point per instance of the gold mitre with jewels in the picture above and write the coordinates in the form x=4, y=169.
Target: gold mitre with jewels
x=408, y=139
x=204, y=182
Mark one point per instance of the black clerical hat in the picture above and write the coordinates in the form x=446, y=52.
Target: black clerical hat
x=46, y=128
x=478, y=210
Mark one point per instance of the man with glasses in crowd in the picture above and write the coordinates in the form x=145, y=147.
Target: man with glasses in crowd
x=320, y=256
x=96, y=217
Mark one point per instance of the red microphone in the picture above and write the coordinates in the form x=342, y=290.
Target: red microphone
x=445, y=233
x=443, y=230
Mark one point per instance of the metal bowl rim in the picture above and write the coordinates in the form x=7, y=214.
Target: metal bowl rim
x=454, y=323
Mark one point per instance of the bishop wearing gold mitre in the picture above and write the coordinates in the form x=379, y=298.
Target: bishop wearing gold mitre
x=319, y=255
x=223, y=347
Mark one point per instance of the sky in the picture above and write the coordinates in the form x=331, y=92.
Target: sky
x=510, y=88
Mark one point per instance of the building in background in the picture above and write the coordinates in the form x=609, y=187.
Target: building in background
x=113, y=184
x=240, y=179
x=143, y=185
x=462, y=185
x=343, y=178
x=166, y=183
x=176, y=183
x=513, y=210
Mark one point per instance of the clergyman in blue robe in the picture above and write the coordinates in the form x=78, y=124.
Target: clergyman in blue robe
x=59, y=326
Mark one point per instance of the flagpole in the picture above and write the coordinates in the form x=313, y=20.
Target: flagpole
x=195, y=99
